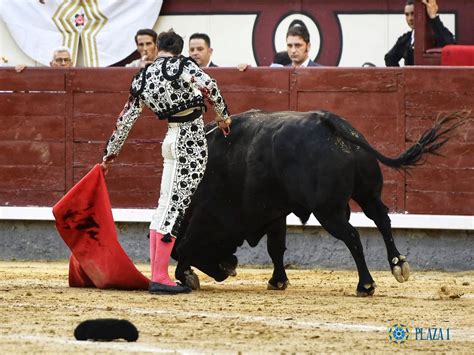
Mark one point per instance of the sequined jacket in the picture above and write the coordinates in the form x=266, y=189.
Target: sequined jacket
x=168, y=86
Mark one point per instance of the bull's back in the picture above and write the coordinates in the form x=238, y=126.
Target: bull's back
x=279, y=158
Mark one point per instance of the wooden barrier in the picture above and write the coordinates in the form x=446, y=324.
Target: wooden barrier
x=55, y=124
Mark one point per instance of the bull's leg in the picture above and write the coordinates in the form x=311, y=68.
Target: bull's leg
x=276, y=246
x=187, y=276
x=335, y=222
x=378, y=212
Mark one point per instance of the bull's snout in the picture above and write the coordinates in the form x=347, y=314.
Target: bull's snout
x=229, y=265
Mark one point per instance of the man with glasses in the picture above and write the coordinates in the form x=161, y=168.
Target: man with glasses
x=61, y=59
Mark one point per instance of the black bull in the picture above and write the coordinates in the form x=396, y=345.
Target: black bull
x=274, y=164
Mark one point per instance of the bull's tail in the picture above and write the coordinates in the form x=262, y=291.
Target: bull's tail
x=430, y=141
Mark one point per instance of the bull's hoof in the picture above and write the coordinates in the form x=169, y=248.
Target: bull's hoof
x=191, y=279
x=400, y=268
x=366, y=290
x=277, y=285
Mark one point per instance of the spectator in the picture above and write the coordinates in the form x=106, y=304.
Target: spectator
x=281, y=59
x=200, y=50
x=145, y=39
x=405, y=43
x=298, y=45
x=61, y=59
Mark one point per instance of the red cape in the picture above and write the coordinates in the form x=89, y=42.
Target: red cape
x=85, y=223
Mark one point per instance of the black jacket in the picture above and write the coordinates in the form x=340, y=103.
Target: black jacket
x=403, y=48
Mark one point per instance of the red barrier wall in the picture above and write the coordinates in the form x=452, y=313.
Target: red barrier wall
x=54, y=124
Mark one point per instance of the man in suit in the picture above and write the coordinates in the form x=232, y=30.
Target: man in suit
x=298, y=46
x=200, y=50
x=405, y=43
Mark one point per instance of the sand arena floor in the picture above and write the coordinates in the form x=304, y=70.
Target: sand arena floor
x=317, y=313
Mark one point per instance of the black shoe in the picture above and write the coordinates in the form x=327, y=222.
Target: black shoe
x=160, y=289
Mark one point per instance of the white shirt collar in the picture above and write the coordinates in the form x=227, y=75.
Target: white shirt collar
x=305, y=63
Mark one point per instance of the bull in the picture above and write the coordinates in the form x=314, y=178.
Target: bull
x=274, y=164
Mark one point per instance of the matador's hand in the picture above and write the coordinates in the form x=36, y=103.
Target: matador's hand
x=105, y=167
x=224, y=125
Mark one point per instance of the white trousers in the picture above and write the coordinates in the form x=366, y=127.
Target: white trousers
x=184, y=152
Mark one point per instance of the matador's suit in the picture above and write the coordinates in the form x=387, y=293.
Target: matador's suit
x=174, y=88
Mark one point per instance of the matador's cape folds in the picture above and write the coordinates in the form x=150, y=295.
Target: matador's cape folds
x=84, y=221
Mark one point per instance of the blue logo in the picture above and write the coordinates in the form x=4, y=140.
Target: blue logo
x=398, y=333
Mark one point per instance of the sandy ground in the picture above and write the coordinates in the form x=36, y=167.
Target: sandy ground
x=317, y=313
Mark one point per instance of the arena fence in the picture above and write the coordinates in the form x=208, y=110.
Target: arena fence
x=55, y=123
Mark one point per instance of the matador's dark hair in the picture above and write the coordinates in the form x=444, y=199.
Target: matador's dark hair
x=171, y=42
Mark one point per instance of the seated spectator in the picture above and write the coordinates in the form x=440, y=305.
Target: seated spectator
x=200, y=50
x=145, y=39
x=61, y=59
x=405, y=43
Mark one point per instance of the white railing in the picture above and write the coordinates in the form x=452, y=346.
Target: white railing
x=399, y=220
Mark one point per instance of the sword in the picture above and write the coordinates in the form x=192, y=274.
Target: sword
x=212, y=130
x=226, y=133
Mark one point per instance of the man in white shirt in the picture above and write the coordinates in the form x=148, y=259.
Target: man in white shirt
x=145, y=40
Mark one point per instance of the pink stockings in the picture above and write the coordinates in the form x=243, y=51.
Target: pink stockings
x=159, y=258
